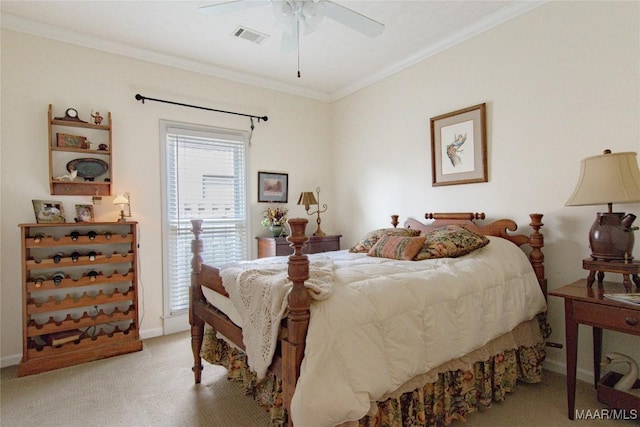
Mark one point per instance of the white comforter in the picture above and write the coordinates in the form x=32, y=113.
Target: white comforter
x=389, y=321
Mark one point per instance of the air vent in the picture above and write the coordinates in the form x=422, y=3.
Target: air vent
x=248, y=34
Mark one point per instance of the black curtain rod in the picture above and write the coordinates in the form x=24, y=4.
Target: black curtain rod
x=144, y=98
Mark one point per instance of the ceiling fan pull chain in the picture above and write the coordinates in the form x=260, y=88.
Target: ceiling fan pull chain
x=298, y=43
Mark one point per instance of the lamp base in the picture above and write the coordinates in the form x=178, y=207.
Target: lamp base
x=611, y=238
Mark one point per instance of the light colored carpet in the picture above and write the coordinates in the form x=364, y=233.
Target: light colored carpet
x=155, y=387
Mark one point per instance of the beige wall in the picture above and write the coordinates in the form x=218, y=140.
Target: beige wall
x=561, y=83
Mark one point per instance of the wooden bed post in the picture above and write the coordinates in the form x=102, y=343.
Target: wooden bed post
x=298, y=318
x=536, y=241
x=195, y=294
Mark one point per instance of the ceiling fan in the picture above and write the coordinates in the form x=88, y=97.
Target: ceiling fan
x=291, y=15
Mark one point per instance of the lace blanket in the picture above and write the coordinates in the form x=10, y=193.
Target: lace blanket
x=259, y=292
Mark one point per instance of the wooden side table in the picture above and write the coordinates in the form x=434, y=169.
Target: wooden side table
x=583, y=304
x=279, y=246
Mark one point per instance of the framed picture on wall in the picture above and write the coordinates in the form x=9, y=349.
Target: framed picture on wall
x=273, y=187
x=459, y=147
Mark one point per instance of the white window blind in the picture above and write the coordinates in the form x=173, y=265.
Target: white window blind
x=204, y=178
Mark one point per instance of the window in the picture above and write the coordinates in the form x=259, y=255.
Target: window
x=204, y=178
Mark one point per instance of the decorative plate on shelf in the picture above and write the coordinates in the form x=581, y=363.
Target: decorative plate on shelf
x=88, y=168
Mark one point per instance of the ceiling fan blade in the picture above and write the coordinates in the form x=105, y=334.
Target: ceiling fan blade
x=229, y=6
x=352, y=19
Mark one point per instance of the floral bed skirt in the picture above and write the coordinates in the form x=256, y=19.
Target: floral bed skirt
x=448, y=395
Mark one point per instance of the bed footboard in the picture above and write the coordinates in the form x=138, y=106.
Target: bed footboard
x=286, y=365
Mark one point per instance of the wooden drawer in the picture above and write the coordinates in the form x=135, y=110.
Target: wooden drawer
x=322, y=244
x=608, y=317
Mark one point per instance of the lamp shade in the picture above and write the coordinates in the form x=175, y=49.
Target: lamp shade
x=121, y=200
x=307, y=198
x=607, y=178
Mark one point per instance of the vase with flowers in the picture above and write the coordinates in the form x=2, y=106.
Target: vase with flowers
x=274, y=219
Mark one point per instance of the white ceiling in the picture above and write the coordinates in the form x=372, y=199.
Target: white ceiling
x=334, y=60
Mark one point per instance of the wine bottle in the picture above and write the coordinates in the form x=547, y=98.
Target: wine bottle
x=92, y=275
x=57, y=277
x=39, y=281
x=74, y=256
x=91, y=235
x=58, y=257
x=107, y=235
x=92, y=256
x=38, y=238
x=75, y=235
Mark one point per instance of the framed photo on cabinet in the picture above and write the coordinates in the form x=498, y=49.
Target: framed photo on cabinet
x=273, y=187
x=84, y=213
x=48, y=211
x=459, y=147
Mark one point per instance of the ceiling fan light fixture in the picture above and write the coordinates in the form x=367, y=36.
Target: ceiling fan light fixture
x=286, y=9
x=312, y=14
x=284, y=14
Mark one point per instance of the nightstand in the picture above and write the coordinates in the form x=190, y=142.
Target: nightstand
x=586, y=305
x=279, y=246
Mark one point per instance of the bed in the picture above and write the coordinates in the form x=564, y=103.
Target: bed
x=409, y=353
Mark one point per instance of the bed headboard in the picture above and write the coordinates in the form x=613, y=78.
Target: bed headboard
x=500, y=228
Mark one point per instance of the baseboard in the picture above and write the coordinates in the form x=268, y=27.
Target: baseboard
x=560, y=367
x=13, y=360
x=150, y=333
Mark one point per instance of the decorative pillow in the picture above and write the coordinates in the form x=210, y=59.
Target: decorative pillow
x=397, y=247
x=372, y=237
x=450, y=242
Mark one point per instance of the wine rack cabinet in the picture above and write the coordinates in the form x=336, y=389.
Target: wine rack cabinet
x=79, y=293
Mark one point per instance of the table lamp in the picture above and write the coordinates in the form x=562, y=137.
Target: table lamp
x=123, y=200
x=606, y=179
x=307, y=198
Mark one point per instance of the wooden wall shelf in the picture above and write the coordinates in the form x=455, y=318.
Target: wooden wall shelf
x=60, y=156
